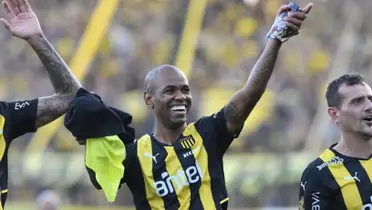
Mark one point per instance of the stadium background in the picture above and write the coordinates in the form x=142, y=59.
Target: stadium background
x=112, y=44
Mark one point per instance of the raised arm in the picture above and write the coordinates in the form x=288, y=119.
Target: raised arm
x=22, y=22
x=65, y=84
x=243, y=101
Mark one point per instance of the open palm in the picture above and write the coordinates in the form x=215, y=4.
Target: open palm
x=19, y=19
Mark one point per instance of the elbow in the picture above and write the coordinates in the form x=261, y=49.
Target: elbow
x=68, y=93
x=69, y=89
x=65, y=98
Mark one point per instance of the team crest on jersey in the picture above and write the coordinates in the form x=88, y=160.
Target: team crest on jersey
x=187, y=142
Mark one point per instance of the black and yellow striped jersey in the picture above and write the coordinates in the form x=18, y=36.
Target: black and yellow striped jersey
x=186, y=175
x=336, y=181
x=16, y=119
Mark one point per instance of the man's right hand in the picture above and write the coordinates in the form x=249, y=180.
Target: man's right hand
x=20, y=20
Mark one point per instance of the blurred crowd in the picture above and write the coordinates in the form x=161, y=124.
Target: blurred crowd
x=287, y=129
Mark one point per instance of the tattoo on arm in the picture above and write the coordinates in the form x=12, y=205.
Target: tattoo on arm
x=50, y=108
x=243, y=102
x=262, y=70
x=232, y=114
x=64, y=82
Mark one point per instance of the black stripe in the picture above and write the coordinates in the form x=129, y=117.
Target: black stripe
x=356, y=169
x=189, y=143
x=159, y=171
x=187, y=159
x=215, y=168
x=137, y=182
x=215, y=165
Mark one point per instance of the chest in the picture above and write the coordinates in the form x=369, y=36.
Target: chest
x=351, y=182
x=178, y=169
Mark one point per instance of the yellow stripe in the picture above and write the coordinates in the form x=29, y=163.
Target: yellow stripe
x=2, y=139
x=174, y=168
x=144, y=153
x=2, y=192
x=224, y=200
x=189, y=143
x=367, y=165
x=87, y=49
x=191, y=31
x=2, y=148
x=201, y=157
x=183, y=144
x=349, y=189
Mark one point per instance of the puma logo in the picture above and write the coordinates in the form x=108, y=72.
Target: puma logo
x=355, y=177
x=153, y=157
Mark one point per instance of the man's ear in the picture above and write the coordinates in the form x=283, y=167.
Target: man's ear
x=334, y=113
x=147, y=97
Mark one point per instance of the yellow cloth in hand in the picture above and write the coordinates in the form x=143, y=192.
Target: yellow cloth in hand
x=105, y=157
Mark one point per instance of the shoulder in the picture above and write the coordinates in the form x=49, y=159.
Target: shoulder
x=140, y=145
x=145, y=139
x=313, y=167
x=318, y=168
x=211, y=122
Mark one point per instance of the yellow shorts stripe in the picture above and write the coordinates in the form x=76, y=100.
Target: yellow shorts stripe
x=224, y=200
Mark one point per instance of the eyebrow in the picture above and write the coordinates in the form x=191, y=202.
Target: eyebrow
x=360, y=97
x=357, y=98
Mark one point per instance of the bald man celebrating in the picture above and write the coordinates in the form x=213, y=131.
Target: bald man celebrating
x=179, y=166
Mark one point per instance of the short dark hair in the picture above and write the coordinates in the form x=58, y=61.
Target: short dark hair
x=334, y=97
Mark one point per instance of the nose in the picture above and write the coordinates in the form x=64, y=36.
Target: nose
x=369, y=109
x=180, y=96
x=369, y=106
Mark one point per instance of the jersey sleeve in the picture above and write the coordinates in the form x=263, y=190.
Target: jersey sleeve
x=20, y=118
x=130, y=153
x=215, y=128
x=314, y=194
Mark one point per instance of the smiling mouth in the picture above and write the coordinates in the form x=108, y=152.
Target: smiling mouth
x=368, y=119
x=180, y=109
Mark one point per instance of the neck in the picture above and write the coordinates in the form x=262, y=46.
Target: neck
x=354, y=145
x=166, y=135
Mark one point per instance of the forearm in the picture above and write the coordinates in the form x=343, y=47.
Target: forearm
x=261, y=72
x=242, y=102
x=63, y=81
